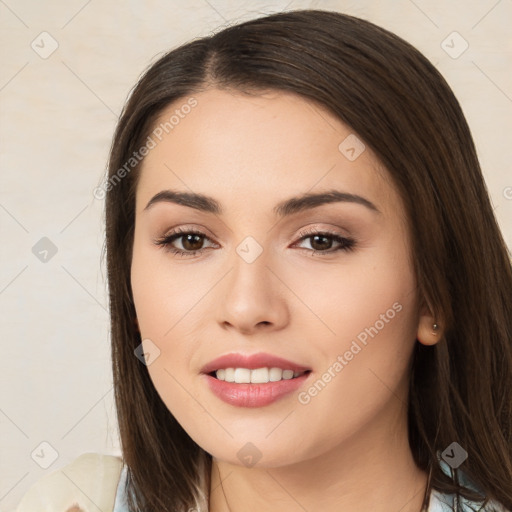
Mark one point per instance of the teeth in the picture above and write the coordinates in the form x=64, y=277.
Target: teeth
x=257, y=376
x=242, y=376
x=275, y=374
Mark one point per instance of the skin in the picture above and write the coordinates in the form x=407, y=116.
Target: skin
x=347, y=449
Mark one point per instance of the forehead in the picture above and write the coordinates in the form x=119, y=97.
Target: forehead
x=267, y=147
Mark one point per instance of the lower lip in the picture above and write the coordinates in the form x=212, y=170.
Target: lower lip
x=254, y=395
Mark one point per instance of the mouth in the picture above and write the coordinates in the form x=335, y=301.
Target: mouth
x=257, y=386
x=257, y=368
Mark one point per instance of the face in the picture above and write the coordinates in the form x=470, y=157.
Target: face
x=328, y=286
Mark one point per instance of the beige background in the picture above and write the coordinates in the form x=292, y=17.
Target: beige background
x=58, y=114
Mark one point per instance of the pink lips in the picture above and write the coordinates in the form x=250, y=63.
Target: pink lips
x=252, y=361
x=253, y=395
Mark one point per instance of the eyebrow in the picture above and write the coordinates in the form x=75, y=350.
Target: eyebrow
x=285, y=208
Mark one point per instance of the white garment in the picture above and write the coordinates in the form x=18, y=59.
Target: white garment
x=90, y=482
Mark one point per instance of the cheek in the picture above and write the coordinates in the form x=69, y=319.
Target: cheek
x=365, y=313
x=164, y=296
x=362, y=291
x=167, y=302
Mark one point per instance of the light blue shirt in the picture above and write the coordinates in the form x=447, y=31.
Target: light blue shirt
x=120, y=504
x=438, y=502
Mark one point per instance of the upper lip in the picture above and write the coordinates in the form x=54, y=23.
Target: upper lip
x=252, y=361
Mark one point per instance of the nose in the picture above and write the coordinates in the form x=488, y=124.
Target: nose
x=253, y=298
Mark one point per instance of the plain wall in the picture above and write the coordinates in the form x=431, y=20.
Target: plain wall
x=58, y=113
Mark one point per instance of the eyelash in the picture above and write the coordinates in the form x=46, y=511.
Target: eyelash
x=347, y=244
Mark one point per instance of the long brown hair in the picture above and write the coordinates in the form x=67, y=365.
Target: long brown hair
x=399, y=105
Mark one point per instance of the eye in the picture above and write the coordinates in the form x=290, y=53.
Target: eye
x=322, y=242
x=192, y=241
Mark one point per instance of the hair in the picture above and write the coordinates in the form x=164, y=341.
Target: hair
x=396, y=101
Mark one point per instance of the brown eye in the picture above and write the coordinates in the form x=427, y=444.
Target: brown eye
x=322, y=242
x=191, y=242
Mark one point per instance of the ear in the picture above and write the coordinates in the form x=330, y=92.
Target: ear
x=429, y=331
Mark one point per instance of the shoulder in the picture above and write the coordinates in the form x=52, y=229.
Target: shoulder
x=88, y=484
x=440, y=502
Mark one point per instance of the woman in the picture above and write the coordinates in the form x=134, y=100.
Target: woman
x=310, y=295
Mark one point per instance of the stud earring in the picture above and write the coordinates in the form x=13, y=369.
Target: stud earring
x=436, y=328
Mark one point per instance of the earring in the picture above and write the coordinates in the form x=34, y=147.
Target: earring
x=435, y=327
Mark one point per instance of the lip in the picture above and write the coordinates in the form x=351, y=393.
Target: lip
x=252, y=362
x=254, y=395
